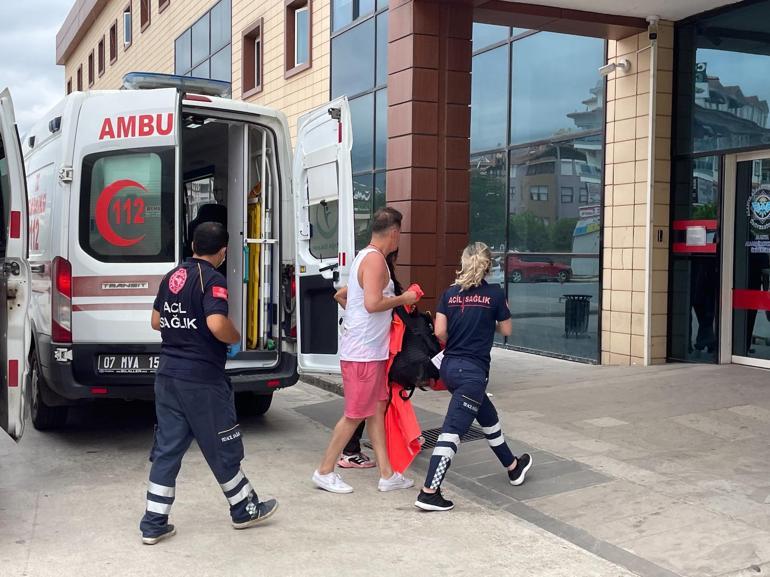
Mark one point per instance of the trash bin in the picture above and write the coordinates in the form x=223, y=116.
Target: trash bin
x=576, y=310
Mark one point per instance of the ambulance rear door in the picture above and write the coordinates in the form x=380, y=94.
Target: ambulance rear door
x=325, y=244
x=14, y=274
x=124, y=222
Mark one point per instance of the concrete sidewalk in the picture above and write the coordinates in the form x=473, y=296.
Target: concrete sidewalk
x=70, y=504
x=663, y=470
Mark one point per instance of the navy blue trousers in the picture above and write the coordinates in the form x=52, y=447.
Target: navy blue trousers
x=467, y=382
x=205, y=412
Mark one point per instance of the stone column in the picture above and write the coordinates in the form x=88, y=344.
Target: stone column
x=625, y=269
x=429, y=93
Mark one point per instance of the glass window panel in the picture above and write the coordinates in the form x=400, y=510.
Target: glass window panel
x=729, y=95
x=489, y=95
x=324, y=226
x=363, y=203
x=221, y=63
x=380, y=196
x=301, y=36
x=362, y=118
x=539, y=222
x=221, y=25
x=200, y=40
x=382, y=4
x=139, y=223
x=552, y=260
x=353, y=60
x=488, y=34
x=731, y=100
x=545, y=305
x=695, y=276
x=487, y=199
x=182, y=61
x=382, y=49
x=202, y=70
x=342, y=13
x=365, y=7
x=553, y=95
x=381, y=132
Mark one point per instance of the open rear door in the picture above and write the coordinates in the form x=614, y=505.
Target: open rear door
x=323, y=203
x=14, y=274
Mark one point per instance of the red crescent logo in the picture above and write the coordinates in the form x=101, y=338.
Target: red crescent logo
x=102, y=213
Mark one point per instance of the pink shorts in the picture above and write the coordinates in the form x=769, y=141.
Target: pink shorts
x=364, y=384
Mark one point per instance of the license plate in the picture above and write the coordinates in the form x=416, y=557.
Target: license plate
x=128, y=364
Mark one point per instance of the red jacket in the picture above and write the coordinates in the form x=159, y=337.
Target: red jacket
x=402, y=429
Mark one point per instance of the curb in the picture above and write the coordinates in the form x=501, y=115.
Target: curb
x=325, y=383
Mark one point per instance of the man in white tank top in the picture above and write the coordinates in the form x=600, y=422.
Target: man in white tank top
x=364, y=349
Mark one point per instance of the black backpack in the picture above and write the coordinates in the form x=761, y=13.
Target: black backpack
x=412, y=367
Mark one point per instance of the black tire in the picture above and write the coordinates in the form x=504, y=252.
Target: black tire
x=252, y=404
x=43, y=417
x=563, y=276
x=516, y=276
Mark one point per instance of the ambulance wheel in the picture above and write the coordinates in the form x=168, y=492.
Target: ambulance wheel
x=44, y=417
x=252, y=404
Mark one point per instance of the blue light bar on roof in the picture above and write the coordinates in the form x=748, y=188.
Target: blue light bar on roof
x=186, y=84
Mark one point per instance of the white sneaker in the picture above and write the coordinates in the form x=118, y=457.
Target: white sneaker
x=331, y=482
x=397, y=481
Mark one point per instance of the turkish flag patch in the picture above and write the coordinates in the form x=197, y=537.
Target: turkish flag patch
x=219, y=292
x=177, y=281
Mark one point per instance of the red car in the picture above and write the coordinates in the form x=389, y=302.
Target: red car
x=526, y=267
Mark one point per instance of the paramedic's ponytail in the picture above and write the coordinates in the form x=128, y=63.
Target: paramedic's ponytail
x=476, y=262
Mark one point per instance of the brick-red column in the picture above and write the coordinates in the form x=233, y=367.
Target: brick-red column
x=429, y=93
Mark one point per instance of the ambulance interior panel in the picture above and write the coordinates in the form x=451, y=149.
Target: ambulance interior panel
x=230, y=174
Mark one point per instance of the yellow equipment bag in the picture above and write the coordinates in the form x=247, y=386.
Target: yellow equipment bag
x=252, y=300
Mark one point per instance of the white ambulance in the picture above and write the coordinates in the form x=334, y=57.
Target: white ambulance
x=117, y=182
x=14, y=275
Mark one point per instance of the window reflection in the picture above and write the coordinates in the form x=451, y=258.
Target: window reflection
x=487, y=34
x=353, y=60
x=487, y=201
x=553, y=95
x=363, y=203
x=731, y=87
x=489, y=99
x=694, y=274
x=363, y=142
x=536, y=195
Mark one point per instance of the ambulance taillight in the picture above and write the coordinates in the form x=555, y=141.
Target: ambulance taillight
x=61, y=301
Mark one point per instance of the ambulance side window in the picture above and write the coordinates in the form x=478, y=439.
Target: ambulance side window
x=323, y=210
x=324, y=220
x=127, y=206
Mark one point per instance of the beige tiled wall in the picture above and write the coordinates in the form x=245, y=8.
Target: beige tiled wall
x=301, y=93
x=153, y=50
x=625, y=216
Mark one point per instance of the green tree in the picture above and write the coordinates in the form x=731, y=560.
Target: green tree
x=528, y=232
x=487, y=209
x=562, y=233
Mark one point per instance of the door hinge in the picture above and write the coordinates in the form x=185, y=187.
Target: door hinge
x=65, y=174
x=335, y=113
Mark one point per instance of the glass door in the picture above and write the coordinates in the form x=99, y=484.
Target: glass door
x=751, y=263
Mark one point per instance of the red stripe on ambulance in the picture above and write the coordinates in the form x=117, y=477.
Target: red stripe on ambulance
x=137, y=126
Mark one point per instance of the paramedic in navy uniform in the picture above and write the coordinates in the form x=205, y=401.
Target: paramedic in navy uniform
x=467, y=316
x=193, y=396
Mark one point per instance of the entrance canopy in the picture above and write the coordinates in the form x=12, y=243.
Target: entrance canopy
x=600, y=18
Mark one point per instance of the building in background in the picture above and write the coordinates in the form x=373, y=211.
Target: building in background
x=623, y=233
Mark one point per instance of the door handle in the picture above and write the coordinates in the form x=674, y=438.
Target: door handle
x=37, y=268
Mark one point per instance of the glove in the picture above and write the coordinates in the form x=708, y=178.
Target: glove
x=233, y=350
